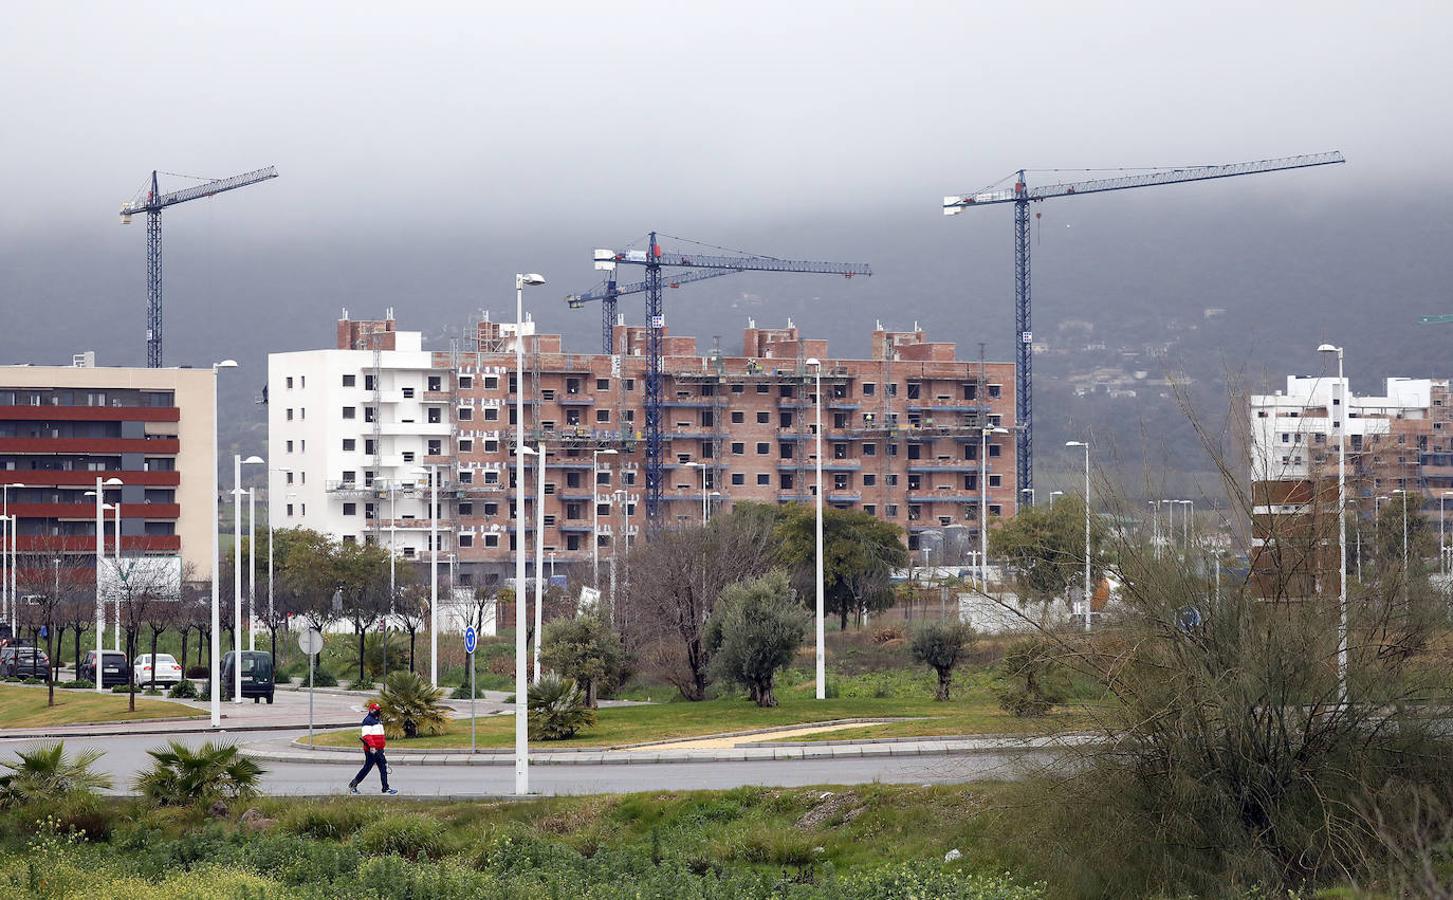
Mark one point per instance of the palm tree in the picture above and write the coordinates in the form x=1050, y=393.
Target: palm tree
x=557, y=708
x=411, y=706
x=181, y=776
x=47, y=773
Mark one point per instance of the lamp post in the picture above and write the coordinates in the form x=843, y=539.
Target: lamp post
x=116, y=607
x=1403, y=501
x=595, y=515
x=522, y=688
x=1053, y=496
x=1339, y=424
x=433, y=474
x=215, y=663
x=984, y=433
x=101, y=484
x=1442, y=544
x=1086, y=446
x=7, y=569
x=252, y=568
x=1030, y=492
x=539, y=556
x=1154, y=528
x=816, y=365
x=393, y=560
x=237, y=492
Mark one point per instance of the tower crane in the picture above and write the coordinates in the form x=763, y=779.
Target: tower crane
x=653, y=259
x=1021, y=195
x=609, y=290
x=152, y=201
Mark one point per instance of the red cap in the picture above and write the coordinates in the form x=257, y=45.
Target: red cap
x=373, y=704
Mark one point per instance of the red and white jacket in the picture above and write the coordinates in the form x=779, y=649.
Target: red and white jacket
x=372, y=731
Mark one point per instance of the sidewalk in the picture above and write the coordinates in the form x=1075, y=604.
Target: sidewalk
x=286, y=751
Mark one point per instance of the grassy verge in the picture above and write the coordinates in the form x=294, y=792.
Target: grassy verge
x=25, y=707
x=973, y=710
x=870, y=841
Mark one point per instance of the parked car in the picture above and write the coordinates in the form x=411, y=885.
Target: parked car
x=168, y=670
x=114, y=668
x=257, y=675
x=23, y=662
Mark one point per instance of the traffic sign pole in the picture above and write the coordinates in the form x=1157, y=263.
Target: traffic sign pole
x=471, y=642
x=310, y=641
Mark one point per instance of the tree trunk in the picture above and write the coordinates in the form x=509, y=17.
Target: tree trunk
x=412, y=635
x=155, y=636
x=843, y=619
x=944, y=677
x=361, y=654
x=185, y=632
x=50, y=658
x=590, y=698
x=202, y=636
x=765, y=697
x=78, y=651
x=131, y=682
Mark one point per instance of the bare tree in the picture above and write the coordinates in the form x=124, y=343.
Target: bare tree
x=48, y=580
x=143, y=584
x=676, y=578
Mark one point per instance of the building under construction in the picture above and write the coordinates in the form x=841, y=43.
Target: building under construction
x=354, y=430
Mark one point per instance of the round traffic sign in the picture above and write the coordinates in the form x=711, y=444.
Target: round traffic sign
x=471, y=639
x=310, y=641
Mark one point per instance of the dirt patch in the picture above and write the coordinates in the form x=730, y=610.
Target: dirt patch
x=835, y=808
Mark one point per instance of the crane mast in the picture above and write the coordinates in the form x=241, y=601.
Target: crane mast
x=1021, y=195
x=152, y=201
x=654, y=259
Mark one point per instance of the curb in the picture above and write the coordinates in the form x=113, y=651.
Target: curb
x=224, y=729
x=626, y=757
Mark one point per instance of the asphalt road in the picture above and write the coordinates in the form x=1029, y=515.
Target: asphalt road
x=124, y=756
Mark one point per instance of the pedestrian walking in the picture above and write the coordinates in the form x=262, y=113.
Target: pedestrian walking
x=371, y=735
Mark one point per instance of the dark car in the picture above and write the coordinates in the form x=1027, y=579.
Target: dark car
x=114, y=668
x=257, y=675
x=24, y=662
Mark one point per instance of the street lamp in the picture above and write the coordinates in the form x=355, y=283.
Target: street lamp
x=540, y=454
x=1338, y=423
x=522, y=688
x=237, y=463
x=1030, y=492
x=1088, y=607
x=1053, y=496
x=433, y=473
x=1186, y=522
x=1404, y=503
x=703, y=467
x=595, y=515
x=816, y=365
x=216, y=674
x=251, y=568
x=984, y=433
x=7, y=570
x=101, y=507
x=1442, y=544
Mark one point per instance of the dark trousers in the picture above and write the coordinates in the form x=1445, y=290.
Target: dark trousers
x=373, y=758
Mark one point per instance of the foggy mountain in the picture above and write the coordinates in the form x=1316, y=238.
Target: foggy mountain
x=1292, y=264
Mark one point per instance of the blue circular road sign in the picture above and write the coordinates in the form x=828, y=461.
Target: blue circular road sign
x=471, y=639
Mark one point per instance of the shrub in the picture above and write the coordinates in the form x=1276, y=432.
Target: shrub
x=940, y=646
x=79, y=684
x=329, y=821
x=47, y=773
x=411, y=836
x=32, y=681
x=755, y=630
x=183, y=690
x=321, y=678
x=123, y=688
x=1025, y=669
x=887, y=634
x=586, y=650
x=181, y=776
x=557, y=708
x=411, y=706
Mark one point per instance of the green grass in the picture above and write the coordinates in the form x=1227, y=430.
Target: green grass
x=899, y=694
x=860, y=842
x=25, y=707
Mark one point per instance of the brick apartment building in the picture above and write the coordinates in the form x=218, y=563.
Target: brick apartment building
x=1399, y=440
x=353, y=429
x=62, y=427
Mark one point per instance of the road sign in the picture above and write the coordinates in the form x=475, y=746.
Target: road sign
x=310, y=641
x=471, y=639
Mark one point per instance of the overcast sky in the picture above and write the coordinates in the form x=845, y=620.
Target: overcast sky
x=487, y=116
x=519, y=136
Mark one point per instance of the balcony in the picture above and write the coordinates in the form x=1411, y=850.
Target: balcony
x=947, y=406
x=86, y=512
x=71, y=478
x=926, y=467
x=437, y=397
x=690, y=403
x=41, y=445
x=575, y=399
x=412, y=524
x=936, y=496
x=84, y=543
x=90, y=413
x=405, y=429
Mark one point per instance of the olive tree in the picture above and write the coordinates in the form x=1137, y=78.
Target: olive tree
x=587, y=650
x=940, y=646
x=755, y=630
